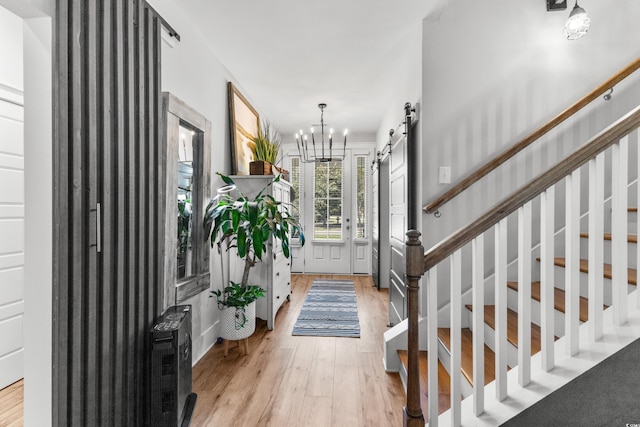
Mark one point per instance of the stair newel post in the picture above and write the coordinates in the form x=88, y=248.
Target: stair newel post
x=414, y=253
x=414, y=258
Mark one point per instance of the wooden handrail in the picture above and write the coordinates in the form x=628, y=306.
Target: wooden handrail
x=531, y=138
x=529, y=191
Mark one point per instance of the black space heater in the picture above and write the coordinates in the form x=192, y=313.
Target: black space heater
x=172, y=401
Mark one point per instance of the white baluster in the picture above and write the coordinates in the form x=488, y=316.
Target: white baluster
x=524, y=295
x=477, y=247
x=547, y=231
x=456, y=336
x=572, y=262
x=619, y=274
x=501, y=309
x=432, y=344
x=596, y=251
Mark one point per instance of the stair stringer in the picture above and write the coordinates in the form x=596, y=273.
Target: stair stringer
x=566, y=368
x=396, y=339
x=444, y=356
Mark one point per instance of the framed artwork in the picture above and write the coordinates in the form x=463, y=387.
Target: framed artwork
x=244, y=122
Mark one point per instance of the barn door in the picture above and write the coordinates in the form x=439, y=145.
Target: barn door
x=397, y=227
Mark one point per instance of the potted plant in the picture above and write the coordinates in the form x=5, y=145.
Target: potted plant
x=246, y=225
x=265, y=147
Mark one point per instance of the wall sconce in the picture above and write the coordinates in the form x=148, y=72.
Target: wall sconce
x=556, y=5
x=578, y=23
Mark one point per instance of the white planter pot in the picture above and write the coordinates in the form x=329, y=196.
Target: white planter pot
x=232, y=319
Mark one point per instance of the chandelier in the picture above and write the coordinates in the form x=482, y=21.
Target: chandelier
x=310, y=152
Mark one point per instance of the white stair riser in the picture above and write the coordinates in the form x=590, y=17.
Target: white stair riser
x=584, y=284
x=558, y=326
x=490, y=341
x=631, y=251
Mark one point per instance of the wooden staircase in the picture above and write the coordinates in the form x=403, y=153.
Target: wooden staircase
x=456, y=273
x=584, y=268
x=444, y=334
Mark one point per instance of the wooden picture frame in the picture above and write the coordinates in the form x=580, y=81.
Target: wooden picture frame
x=244, y=122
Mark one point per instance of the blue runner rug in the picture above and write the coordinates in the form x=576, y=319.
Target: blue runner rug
x=329, y=310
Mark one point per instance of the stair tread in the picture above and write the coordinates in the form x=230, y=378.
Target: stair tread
x=584, y=267
x=558, y=299
x=512, y=327
x=444, y=382
x=466, y=361
x=631, y=238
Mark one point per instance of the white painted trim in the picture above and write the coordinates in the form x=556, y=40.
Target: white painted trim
x=38, y=394
x=478, y=323
x=567, y=368
x=524, y=294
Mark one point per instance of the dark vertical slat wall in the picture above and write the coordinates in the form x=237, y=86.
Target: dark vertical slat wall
x=92, y=98
x=130, y=210
x=107, y=95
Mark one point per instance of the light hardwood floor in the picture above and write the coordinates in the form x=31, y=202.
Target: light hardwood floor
x=11, y=404
x=303, y=381
x=287, y=380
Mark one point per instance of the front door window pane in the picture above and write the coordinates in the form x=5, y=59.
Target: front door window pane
x=328, y=178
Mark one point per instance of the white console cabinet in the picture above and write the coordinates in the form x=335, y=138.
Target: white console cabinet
x=273, y=274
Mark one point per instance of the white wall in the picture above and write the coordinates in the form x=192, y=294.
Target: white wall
x=494, y=71
x=191, y=72
x=38, y=137
x=406, y=86
x=11, y=51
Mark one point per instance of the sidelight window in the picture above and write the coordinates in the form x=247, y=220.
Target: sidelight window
x=361, y=191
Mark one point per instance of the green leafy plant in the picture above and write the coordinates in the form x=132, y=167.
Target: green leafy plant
x=236, y=295
x=248, y=225
x=266, y=144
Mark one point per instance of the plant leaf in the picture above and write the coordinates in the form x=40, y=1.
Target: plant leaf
x=257, y=242
x=242, y=242
x=226, y=179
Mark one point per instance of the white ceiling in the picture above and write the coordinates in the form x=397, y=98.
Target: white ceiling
x=290, y=55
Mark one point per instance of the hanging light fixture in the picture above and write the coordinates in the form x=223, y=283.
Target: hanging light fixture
x=310, y=152
x=578, y=23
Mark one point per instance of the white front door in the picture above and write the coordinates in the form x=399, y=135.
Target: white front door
x=333, y=201
x=327, y=217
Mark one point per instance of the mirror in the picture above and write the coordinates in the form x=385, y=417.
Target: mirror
x=185, y=183
x=188, y=181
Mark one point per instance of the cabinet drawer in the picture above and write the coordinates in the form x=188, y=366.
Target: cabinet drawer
x=281, y=279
